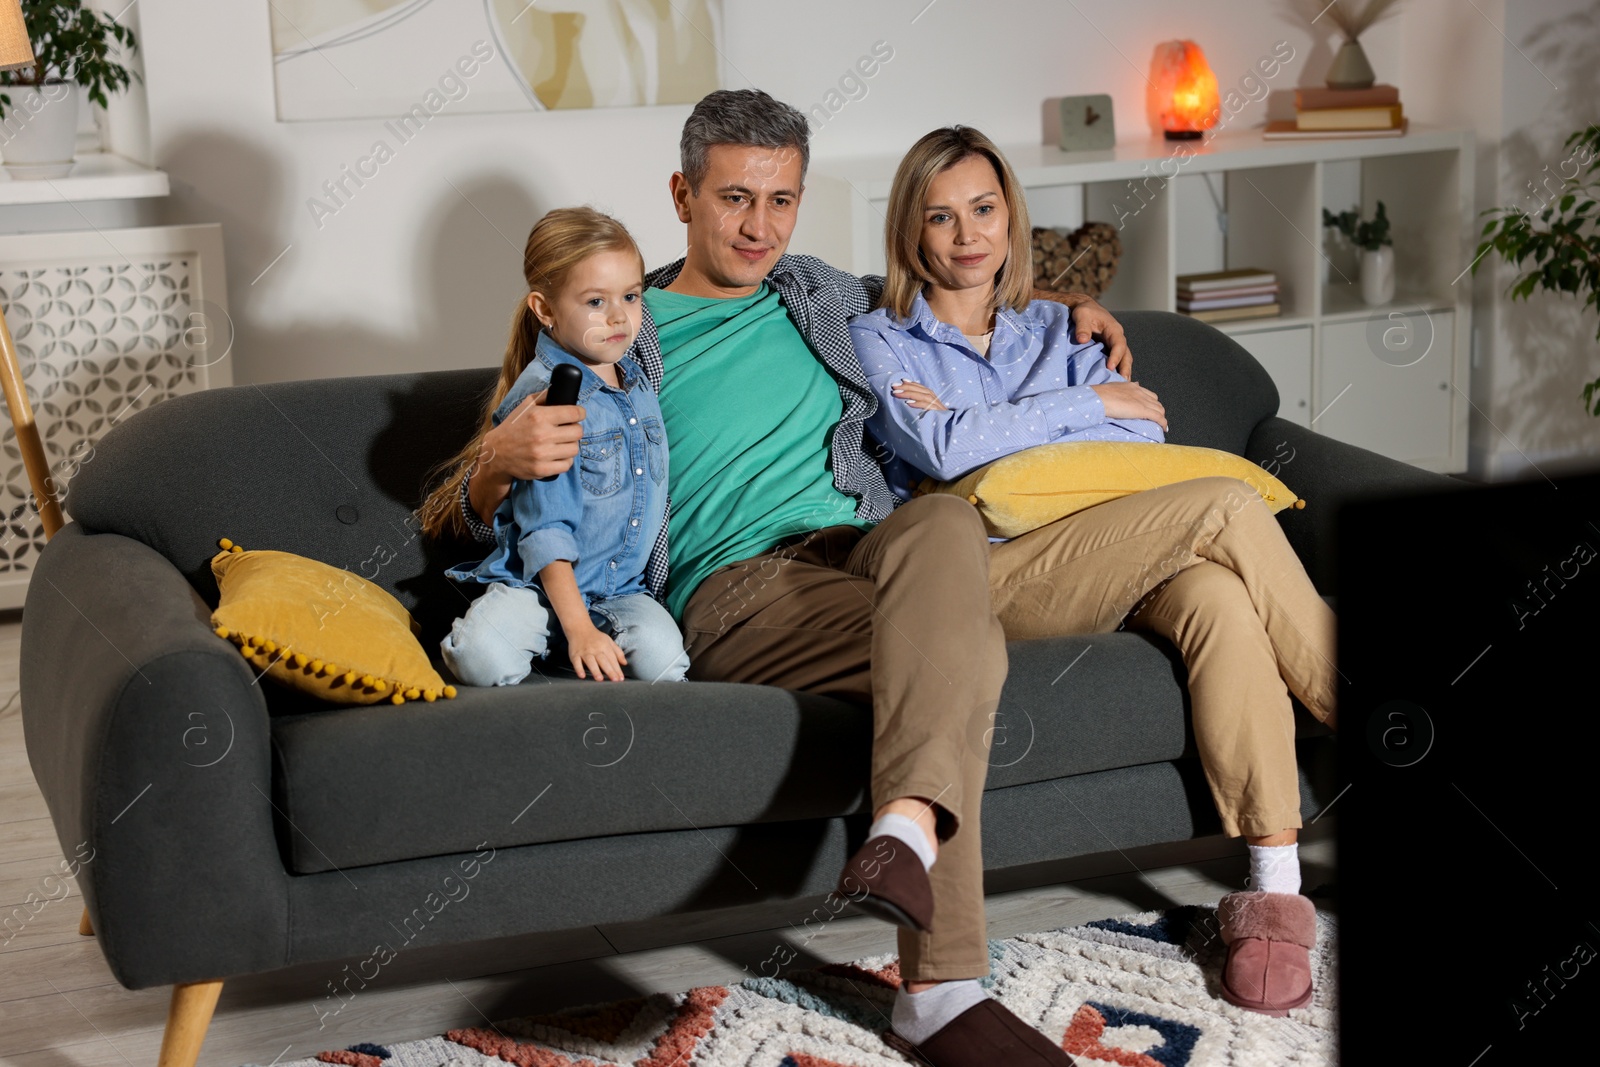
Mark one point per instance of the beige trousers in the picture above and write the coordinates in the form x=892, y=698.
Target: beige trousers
x=1205, y=565
x=898, y=618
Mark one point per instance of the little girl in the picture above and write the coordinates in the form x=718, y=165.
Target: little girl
x=570, y=551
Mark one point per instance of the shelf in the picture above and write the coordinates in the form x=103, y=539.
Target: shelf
x=1039, y=165
x=1343, y=303
x=95, y=176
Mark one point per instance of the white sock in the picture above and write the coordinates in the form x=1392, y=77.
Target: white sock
x=903, y=829
x=918, y=1016
x=1275, y=868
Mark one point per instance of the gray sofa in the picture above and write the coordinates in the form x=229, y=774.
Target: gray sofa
x=239, y=828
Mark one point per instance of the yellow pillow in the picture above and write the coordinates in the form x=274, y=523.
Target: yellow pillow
x=1037, y=486
x=321, y=630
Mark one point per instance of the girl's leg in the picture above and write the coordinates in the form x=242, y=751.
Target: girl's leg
x=496, y=641
x=647, y=635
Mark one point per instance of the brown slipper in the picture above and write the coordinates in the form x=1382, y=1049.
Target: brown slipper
x=1269, y=938
x=885, y=878
x=987, y=1034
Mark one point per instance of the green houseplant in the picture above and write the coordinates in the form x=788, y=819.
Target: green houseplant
x=1377, y=251
x=1562, y=239
x=72, y=46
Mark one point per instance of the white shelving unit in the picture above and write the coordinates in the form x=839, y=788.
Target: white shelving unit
x=95, y=176
x=1393, y=379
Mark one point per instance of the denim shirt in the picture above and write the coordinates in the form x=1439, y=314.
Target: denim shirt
x=606, y=511
x=821, y=300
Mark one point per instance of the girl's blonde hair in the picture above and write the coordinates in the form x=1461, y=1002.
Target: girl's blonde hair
x=557, y=244
x=908, y=272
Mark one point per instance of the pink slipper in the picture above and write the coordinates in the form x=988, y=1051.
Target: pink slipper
x=1269, y=938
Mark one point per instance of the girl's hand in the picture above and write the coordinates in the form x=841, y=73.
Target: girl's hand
x=918, y=396
x=1130, y=400
x=590, y=648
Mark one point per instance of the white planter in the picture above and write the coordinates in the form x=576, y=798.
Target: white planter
x=1377, y=275
x=39, y=135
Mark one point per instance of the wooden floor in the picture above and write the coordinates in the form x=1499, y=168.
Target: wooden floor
x=60, y=1007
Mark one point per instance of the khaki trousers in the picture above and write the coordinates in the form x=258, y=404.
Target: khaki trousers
x=1205, y=565
x=899, y=618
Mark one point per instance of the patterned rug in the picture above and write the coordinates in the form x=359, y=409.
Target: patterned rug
x=1140, y=991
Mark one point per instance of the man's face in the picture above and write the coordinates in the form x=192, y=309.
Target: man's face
x=741, y=219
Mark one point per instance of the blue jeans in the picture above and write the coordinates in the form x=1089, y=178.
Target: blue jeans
x=496, y=641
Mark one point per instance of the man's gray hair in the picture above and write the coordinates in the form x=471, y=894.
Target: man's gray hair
x=740, y=117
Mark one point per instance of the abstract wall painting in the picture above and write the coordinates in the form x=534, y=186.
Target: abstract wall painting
x=345, y=59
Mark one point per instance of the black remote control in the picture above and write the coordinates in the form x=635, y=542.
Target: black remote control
x=564, y=382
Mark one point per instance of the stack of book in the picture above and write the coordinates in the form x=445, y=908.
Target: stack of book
x=1225, y=295
x=1324, y=113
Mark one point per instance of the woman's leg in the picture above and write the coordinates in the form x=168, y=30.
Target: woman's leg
x=1243, y=721
x=1086, y=572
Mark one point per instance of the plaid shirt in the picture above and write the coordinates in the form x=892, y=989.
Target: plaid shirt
x=821, y=301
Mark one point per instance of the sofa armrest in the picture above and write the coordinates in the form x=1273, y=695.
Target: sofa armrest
x=1327, y=474
x=149, y=739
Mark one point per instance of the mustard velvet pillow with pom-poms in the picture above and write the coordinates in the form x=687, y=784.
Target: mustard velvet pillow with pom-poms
x=1037, y=486
x=321, y=630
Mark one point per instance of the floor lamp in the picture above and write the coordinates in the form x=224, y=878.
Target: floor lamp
x=16, y=53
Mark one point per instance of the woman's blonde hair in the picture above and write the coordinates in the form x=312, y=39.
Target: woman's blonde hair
x=557, y=244
x=908, y=273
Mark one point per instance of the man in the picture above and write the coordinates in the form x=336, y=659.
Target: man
x=791, y=563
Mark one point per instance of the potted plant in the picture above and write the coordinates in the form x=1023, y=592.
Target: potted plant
x=1562, y=239
x=72, y=46
x=1377, y=251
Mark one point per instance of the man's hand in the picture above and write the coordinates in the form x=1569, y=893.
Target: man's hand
x=1091, y=322
x=918, y=396
x=1130, y=400
x=535, y=441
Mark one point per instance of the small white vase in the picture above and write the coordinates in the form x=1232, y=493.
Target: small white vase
x=39, y=135
x=1377, y=275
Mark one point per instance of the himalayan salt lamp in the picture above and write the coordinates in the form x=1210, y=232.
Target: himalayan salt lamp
x=1183, y=90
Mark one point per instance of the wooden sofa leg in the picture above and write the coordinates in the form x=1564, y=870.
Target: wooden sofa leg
x=188, y=1016
x=85, y=927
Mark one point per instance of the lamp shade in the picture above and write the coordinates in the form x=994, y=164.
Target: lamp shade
x=15, y=50
x=1184, y=90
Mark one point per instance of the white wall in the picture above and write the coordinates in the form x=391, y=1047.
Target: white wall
x=414, y=274
x=421, y=269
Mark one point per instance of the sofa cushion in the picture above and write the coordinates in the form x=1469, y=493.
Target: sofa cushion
x=564, y=759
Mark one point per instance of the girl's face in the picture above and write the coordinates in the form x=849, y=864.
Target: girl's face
x=966, y=226
x=596, y=314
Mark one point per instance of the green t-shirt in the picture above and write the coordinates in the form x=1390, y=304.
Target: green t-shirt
x=750, y=413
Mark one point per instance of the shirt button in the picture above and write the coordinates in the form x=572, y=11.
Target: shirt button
x=631, y=522
x=638, y=470
x=632, y=421
x=613, y=564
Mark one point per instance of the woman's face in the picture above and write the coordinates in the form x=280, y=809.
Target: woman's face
x=966, y=226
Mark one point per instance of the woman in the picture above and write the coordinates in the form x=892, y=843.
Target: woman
x=968, y=368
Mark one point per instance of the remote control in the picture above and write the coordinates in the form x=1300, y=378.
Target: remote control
x=564, y=382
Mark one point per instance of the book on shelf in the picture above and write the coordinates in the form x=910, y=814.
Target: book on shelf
x=1185, y=293
x=1388, y=117
x=1317, y=98
x=1226, y=279
x=1259, y=311
x=1210, y=302
x=1286, y=130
